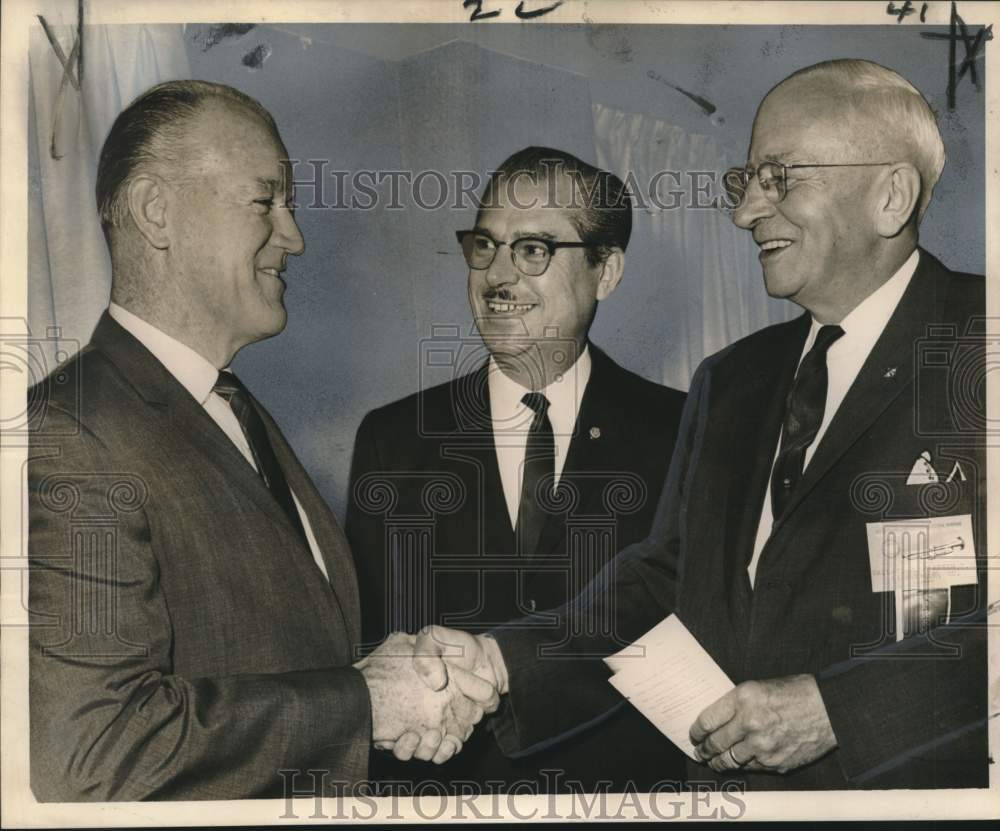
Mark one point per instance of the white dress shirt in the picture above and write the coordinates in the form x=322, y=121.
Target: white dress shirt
x=512, y=419
x=863, y=326
x=198, y=376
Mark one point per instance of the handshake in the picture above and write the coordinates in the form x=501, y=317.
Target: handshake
x=429, y=690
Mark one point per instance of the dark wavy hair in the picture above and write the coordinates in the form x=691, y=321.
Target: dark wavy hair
x=601, y=204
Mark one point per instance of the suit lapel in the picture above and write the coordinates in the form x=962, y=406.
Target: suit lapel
x=190, y=421
x=593, y=447
x=200, y=429
x=193, y=424
x=498, y=533
x=886, y=373
x=330, y=539
x=752, y=426
x=473, y=423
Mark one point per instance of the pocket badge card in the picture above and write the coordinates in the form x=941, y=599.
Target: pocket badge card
x=915, y=554
x=919, y=560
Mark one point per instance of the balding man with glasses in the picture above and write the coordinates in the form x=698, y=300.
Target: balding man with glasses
x=529, y=472
x=822, y=529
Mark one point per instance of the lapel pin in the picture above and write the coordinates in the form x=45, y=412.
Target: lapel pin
x=595, y=432
x=890, y=372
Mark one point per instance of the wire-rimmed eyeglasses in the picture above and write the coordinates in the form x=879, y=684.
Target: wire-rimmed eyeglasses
x=772, y=178
x=530, y=255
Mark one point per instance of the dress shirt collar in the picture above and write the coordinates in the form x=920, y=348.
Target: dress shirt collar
x=564, y=395
x=865, y=323
x=194, y=372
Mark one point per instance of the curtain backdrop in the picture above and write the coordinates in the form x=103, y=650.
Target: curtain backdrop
x=712, y=292
x=68, y=268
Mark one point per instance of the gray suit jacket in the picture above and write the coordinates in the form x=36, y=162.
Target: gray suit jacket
x=184, y=644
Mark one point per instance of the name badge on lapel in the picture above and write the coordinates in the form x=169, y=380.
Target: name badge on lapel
x=919, y=560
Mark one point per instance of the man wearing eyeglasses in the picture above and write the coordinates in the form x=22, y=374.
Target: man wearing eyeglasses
x=843, y=162
x=822, y=529
x=547, y=451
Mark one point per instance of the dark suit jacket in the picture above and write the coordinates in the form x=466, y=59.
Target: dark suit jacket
x=908, y=714
x=184, y=644
x=433, y=540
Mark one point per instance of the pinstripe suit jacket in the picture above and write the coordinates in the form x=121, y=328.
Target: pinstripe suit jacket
x=183, y=644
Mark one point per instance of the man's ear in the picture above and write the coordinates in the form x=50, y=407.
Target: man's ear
x=614, y=267
x=898, y=200
x=147, y=205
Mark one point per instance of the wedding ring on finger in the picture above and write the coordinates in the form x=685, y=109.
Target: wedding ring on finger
x=732, y=757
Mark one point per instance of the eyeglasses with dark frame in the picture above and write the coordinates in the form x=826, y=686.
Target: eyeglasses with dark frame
x=530, y=255
x=772, y=178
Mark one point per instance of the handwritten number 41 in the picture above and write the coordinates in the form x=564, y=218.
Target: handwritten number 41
x=520, y=11
x=906, y=10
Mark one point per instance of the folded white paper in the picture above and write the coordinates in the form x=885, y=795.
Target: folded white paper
x=670, y=681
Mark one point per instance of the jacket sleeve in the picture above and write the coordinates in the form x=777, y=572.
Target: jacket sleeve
x=110, y=719
x=911, y=699
x=559, y=686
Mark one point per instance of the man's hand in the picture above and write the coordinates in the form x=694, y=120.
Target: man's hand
x=434, y=722
x=469, y=667
x=446, y=655
x=775, y=725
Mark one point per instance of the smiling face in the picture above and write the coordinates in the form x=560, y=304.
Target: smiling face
x=816, y=242
x=234, y=227
x=548, y=315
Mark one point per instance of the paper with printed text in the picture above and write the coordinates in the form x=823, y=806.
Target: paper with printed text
x=670, y=680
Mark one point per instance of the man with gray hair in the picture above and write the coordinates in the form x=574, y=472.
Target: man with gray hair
x=194, y=604
x=822, y=529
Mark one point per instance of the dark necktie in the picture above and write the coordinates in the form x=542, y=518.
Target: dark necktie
x=229, y=387
x=803, y=417
x=539, y=471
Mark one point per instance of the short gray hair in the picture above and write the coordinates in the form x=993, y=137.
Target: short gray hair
x=886, y=96
x=148, y=134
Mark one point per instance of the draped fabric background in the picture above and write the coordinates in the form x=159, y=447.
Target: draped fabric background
x=715, y=293
x=68, y=266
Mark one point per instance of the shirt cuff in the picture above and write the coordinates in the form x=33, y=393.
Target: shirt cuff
x=495, y=657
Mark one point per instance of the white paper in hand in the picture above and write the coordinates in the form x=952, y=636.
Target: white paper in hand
x=672, y=682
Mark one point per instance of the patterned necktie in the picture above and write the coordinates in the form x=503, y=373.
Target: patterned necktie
x=229, y=387
x=539, y=471
x=803, y=417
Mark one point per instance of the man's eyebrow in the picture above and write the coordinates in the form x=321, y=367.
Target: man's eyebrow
x=533, y=235
x=268, y=182
x=515, y=235
x=783, y=157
